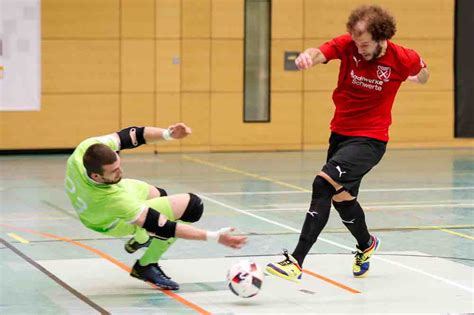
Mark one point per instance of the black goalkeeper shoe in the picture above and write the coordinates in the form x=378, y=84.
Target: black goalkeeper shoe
x=154, y=274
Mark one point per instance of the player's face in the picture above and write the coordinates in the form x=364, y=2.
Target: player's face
x=366, y=46
x=112, y=173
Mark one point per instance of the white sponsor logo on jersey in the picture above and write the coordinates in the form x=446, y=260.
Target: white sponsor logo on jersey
x=371, y=84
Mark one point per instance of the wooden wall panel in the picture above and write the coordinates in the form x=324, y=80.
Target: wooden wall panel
x=168, y=19
x=195, y=109
x=420, y=19
x=282, y=80
x=168, y=66
x=137, y=70
x=63, y=122
x=227, y=18
x=322, y=77
x=318, y=110
x=423, y=19
x=287, y=19
x=228, y=131
x=195, y=65
x=438, y=55
x=168, y=109
x=196, y=19
x=226, y=114
x=227, y=69
x=423, y=117
x=325, y=18
x=286, y=115
x=80, y=66
x=138, y=109
x=194, y=73
x=168, y=112
x=138, y=18
x=89, y=19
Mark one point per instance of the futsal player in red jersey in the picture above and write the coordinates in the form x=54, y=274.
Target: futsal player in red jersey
x=372, y=69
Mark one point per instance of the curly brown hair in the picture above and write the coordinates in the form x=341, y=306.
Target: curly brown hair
x=379, y=22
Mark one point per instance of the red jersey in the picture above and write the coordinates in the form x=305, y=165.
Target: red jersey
x=366, y=89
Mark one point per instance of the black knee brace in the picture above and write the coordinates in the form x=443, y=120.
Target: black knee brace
x=194, y=209
x=163, y=192
x=321, y=187
x=131, y=137
x=151, y=224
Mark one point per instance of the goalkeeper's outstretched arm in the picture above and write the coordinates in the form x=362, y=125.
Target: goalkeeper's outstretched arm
x=132, y=137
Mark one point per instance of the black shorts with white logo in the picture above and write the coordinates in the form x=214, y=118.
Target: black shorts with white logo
x=350, y=158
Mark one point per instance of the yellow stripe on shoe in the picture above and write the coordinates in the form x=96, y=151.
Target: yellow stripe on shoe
x=287, y=269
x=360, y=268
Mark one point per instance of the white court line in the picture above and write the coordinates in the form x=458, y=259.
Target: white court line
x=433, y=205
x=447, y=281
x=254, y=192
x=308, y=191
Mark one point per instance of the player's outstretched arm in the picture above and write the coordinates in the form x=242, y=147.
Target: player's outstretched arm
x=158, y=224
x=222, y=236
x=309, y=58
x=132, y=137
x=176, y=131
x=421, y=78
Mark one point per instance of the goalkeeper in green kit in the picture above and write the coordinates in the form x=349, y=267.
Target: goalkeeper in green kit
x=118, y=207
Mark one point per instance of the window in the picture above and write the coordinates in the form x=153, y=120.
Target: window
x=257, y=61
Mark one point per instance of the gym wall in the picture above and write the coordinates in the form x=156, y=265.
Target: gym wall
x=108, y=64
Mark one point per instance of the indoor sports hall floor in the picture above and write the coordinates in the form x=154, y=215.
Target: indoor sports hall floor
x=419, y=202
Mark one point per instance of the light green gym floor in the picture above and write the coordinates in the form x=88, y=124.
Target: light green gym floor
x=418, y=202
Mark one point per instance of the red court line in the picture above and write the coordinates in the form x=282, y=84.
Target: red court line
x=119, y=264
x=333, y=282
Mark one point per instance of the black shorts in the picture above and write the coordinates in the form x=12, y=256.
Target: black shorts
x=350, y=158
